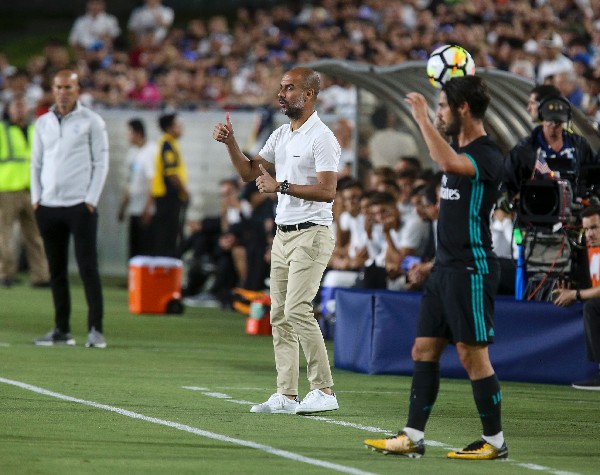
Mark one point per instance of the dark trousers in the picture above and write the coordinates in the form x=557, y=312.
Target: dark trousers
x=591, y=325
x=56, y=226
x=167, y=226
x=140, y=237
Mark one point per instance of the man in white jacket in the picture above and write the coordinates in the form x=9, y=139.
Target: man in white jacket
x=69, y=165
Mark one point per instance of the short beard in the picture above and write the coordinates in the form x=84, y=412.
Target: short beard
x=454, y=126
x=295, y=109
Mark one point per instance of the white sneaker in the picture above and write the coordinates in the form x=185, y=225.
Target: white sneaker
x=277, y=404
x=95, y=340
x=317, y=401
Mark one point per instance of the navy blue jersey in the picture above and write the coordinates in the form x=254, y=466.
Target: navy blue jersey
x=466, y=204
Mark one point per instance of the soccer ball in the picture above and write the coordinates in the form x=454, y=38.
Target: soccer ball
x=447, y=62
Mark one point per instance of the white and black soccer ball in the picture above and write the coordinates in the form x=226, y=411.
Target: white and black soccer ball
x=447, y=62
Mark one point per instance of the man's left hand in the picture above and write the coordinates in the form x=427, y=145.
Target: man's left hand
x=265, y=182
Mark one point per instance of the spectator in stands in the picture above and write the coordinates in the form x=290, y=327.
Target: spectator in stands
x=408, y=163
x=458, y=301
x=169, y=189
x=406, y=183
x=94, y=30
x=143, y=93
x=427, y=206
x=564, y=296
x=350, y=231
x=591, y=102
x=6, y=69
x=567, y=83
x=339, y=98
x=56, y=55
x=378, y=175
x=396, y=237
x=19, y=84
x=553, y=60
x=344, y=133
x=152, y=17
x=594, y=45
x=16, y=136
x=140, y=164
x=388, y=144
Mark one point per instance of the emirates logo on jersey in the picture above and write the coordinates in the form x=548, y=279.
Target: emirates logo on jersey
x=448, y=193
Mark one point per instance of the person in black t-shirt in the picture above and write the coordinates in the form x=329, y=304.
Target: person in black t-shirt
x=458, y=299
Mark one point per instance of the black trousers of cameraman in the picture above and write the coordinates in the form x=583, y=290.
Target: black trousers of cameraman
x=591, y=326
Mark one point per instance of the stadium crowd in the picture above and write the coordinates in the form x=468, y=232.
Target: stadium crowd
x=156, y=59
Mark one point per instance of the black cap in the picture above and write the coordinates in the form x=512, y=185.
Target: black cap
x=555, y=110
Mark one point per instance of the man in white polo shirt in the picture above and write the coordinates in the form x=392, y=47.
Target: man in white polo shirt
x=299, y=162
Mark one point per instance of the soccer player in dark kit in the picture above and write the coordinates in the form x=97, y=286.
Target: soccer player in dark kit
x=458, y=298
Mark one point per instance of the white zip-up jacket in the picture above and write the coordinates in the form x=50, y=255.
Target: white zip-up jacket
x=69, y=158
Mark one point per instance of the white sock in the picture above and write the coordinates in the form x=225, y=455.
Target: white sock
x=495, y=440
x=414, y=434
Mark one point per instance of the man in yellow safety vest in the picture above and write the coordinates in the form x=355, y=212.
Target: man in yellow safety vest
x=16, y=133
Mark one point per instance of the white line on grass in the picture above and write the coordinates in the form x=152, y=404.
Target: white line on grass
x=432, y=443
x=192, y=430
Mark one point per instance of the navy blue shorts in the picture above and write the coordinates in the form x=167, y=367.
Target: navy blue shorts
x=459, y=306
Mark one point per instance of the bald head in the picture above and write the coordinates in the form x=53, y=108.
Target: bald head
x=67, y=74
x=309, y=78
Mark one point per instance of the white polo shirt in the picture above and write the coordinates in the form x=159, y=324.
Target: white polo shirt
x=298, y=156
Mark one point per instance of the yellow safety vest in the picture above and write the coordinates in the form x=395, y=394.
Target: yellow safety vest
x=15, y=155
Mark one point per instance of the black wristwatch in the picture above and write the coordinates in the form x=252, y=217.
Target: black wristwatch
x=284, y=187
x=578, y=295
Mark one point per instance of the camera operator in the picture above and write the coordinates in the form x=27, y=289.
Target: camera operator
x=552, y=152
x=551, y=147
x=565, y=296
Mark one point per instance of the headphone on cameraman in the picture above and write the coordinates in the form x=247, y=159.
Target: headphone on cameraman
x=562, y=99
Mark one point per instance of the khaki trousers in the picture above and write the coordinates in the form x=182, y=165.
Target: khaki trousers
x=298, y=260
x=15, y=207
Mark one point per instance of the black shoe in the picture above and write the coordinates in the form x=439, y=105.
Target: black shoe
x=592, y=384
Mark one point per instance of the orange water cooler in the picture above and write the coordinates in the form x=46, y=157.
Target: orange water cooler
x=258, y=321
x=155, y=285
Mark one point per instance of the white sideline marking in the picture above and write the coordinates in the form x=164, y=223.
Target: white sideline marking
x=193, y=430
x=218, y=395
x=349, y=424
x=432, y=443
x=241, y=401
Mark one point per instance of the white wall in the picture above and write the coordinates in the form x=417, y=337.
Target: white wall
x=206, y=160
